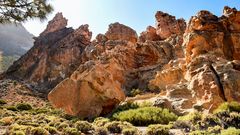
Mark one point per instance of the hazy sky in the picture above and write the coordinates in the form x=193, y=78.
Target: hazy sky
x=137, y=14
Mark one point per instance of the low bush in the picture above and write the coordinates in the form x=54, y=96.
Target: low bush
x=2, y=102
x=230, y=131
x=100, y=121
x=39, y=131
x=12, y=108
x=23, y=106
x=193, y=117
x=130, y=131
x=158, y=129
x=146, y=116
x=101, y=131
x=84, y=126
x=51, y=130
x=18, y=133
x=117, y=126
x=199, y=132
x=126, y=106
x=231, y=107
x=71, y=131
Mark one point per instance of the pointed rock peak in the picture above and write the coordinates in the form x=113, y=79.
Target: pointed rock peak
x=227, y=11
x=57, y=23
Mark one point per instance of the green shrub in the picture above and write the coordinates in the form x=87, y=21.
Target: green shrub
x=126, y=106
x=51, y=130
x=198, y=132
x=158, y=129
x=185, y=125
x=146, y=116
x=18, y=133
x=135, y=92
x=117, y=126
x=71, y=131
x=130, y=131
x=61, y=126
x=39, y=131
x=84, y=126
x=230, y=131
x=2, y=102
x=215, y=129
x=193, y=117
x=231, y=107
x=12, y=108
x=23, y=106
x=101, y=131
x=100, y=121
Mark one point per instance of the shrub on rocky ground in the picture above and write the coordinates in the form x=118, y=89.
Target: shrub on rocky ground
x=84, y=126
x=130, y=131
x=11, y=108
x=117, y=126
x=71, y=131
x=146, y=116
x=228, y=106
x=39, y=131
x=2, y=102
x=100, y=121
x=158, y=129
x=230, y=131
x=101, y=131
x=193, y=117
x=23, y=106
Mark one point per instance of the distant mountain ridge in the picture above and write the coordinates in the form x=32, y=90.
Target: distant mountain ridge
x=15, y=40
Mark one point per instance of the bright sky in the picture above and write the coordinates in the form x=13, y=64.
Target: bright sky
x=138, y=14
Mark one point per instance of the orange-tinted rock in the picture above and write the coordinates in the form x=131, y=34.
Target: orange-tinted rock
x=167, y=25
x=150, y=34
x=117, y=31
x=54, y=57
x=57, y=23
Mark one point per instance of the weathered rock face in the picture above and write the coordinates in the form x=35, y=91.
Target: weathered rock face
x=209, y=77
x=119, y=31
x=112, y=66
x=54, y=57
x=167, y=25
x=149, y=35
x=198, y=69
x=58, y=23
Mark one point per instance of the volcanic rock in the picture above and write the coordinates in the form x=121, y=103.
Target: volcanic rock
x=119, y=31
x=54, y=57
x=167, y=25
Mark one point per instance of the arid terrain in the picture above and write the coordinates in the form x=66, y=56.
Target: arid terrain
x=175, y=78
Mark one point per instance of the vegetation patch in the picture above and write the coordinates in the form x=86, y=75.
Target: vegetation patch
x=146, y=116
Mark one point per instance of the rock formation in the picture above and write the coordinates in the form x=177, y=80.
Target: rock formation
x=209, y=76
x=55, y=56
x=167, y=25
x=194, y=68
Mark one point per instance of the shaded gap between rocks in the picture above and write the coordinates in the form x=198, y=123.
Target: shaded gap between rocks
x=217, y=80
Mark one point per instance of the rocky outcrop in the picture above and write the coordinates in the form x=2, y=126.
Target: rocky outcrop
x=210, y=75
x=119, y=31
x=149, y=35
x=57, y=23
x=167, y=25
x=198, y=69
x=55, y=56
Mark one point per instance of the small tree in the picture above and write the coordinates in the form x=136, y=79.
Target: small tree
x=22, y=10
